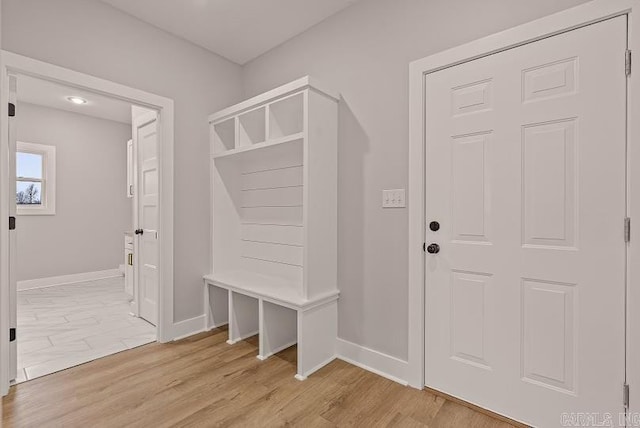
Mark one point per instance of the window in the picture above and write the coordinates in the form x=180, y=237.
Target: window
x=35, y=179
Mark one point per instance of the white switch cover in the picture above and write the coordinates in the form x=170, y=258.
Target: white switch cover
x=393, y=198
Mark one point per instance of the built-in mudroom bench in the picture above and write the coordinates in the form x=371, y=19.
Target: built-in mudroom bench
x=274, y=222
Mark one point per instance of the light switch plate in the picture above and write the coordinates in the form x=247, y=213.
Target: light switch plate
x=393, y=198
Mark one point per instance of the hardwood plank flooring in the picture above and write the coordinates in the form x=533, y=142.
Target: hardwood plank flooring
x=204, y=382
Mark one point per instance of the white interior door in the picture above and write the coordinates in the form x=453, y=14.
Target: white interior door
x=13, y=285
x=525, y=161
x=146, y=216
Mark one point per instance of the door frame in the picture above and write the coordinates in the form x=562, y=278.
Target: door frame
x=567, y=20
x=18, y=64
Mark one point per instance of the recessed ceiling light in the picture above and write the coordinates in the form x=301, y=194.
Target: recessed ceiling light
x=77, y=100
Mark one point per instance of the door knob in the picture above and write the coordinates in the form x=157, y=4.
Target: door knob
x=433, y=249
x=139, y=231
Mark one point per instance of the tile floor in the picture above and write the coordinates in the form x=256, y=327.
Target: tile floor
x=67, y=325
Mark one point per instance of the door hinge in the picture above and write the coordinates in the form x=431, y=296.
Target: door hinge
x=12, y=109
x=12, y=223
x=625, y=395
x=627, y=62
x=627, y=229
x=12, y=335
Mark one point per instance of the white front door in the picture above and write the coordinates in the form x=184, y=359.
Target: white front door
x=146, y=216
x=525, y=173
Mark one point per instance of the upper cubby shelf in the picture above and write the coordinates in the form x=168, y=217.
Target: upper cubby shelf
x=266, y=144
x=224, y=136
x=286, y=116
x=252, y=127
x=271, y=118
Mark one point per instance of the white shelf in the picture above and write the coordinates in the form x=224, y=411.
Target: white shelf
x=251, y=127
x=258, y=146
x=224, y=135
x=270, y=288
x=301, y=84
x=274, y=222
x=286, y=116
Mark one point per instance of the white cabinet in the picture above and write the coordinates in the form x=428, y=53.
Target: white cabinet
x=128, y=265
x=274, y=231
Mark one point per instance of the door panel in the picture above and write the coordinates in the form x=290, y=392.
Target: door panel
x=146, y=142
x=525, y=171
x=549, y=178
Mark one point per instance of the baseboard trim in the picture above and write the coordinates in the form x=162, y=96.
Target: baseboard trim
x=31, y=284
x=376, y=362
x=183, y=329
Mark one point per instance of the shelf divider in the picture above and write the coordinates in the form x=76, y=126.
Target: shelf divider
x=258, y=146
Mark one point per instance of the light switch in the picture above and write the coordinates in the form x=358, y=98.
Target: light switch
x=393, y=198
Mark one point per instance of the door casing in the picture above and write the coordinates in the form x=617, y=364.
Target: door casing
x=570, y=19
x=11, y=63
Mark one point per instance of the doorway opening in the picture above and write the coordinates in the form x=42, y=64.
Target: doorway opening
x=87, y=261
x=75, y=186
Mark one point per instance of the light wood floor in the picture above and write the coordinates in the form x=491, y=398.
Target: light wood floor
x=203, y=382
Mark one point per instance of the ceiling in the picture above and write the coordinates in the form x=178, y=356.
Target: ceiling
x=48, y=94
x=239, y=30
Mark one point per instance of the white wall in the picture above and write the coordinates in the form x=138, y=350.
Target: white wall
x=94, y=38
x=364, y=53
x=92, y=210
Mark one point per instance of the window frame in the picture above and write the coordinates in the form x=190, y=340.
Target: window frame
x=47, y=183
